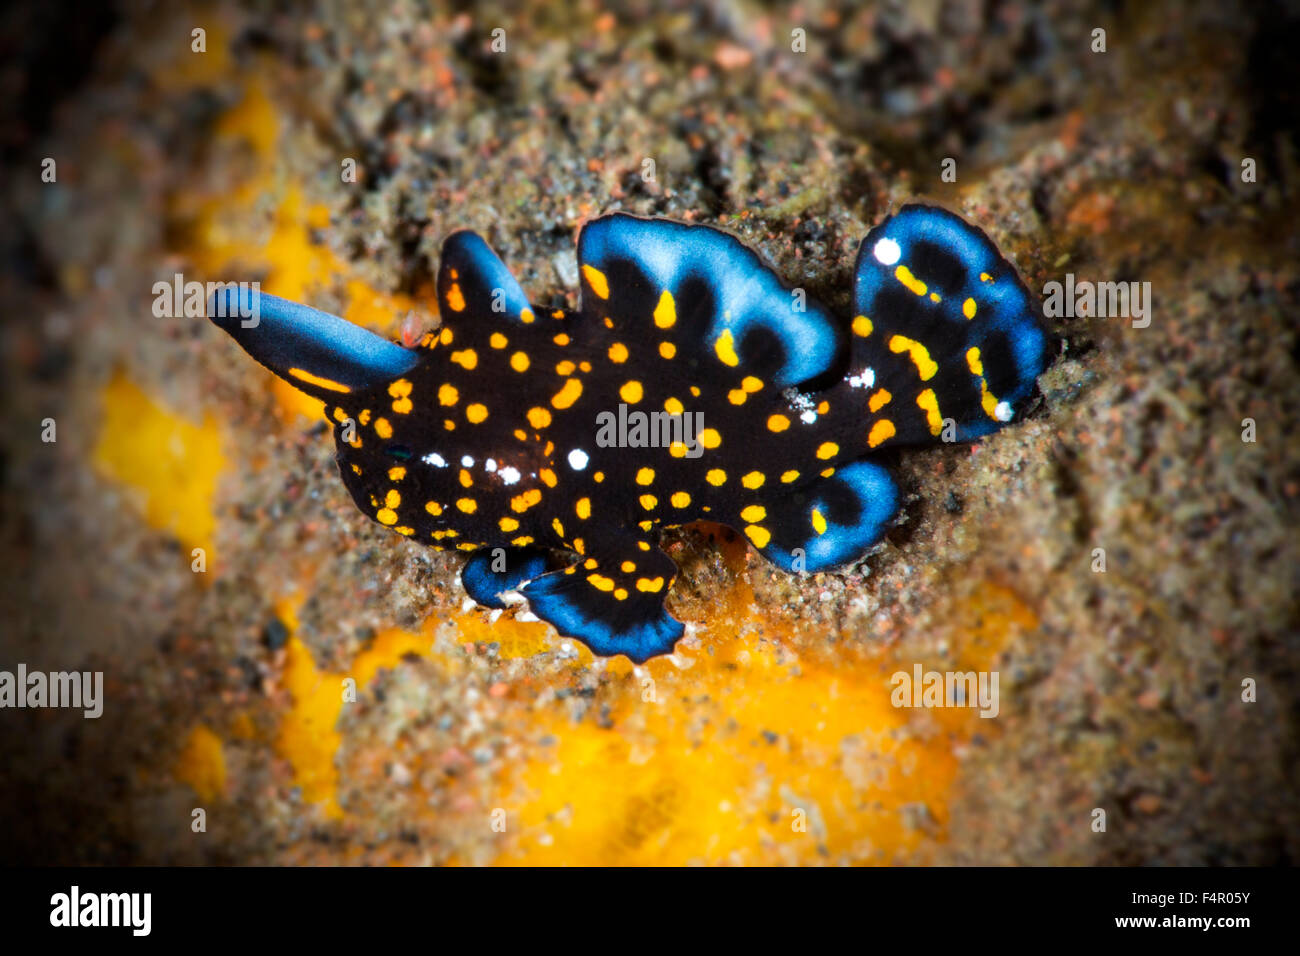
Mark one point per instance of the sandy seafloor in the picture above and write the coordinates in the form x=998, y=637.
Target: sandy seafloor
x=769, y=737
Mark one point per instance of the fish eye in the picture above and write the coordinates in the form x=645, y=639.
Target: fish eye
x=400, y=452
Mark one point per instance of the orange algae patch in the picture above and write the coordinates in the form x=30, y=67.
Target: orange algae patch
x=169, y=465
x=202, y=764
x=757, y=753
x=308, y=736
x=225, y=238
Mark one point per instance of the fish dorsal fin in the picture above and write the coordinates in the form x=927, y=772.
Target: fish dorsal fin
x=475, y=289
x=708, y=293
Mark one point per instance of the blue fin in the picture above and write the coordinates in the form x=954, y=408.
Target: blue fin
x=485, y=584
x=831, y=521
x=726, y=304
x=476, y=292
x=950, y=332
x=612, y=610
x=318, y=353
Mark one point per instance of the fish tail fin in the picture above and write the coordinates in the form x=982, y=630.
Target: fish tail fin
x=946, y=339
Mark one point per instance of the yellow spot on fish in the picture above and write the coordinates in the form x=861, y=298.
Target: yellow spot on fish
x=565, y=368
x=725, y=346
x=650, y=585
x=498, y=341
x=925, y=366
x=508, y=524
x=862, y=326
x=476, y=413
x=631, y=392
x=627, y=567
x=621, y=594
x=968, y=308
x=880, y=431
x=382, y=428
x=753, y=514
x=789, y=476
x=548, y=477
x=583, y=508
x=433, y=508
x=558, y=527
x=386, y=516
x=778, y=423
x=759, y=535
x=519, y=361
x=751, y=384
x=904, y=275
x=710, y=438
x=985, y=277
x=561, y=339
x=879, y=400
x=455, y=298
x=401, y=390
x=666, y=311
x=827, y=449
x=677, y=449
x=737, y=396
x=673, y=407
x=753, y=480
x=716, y=477
x=466, y=480
x=645, y=476
x=526, y=316
x=596, y=279
x=568, y=394
x=396, y=474
x=680, y=499
x=521, y=503
x=973, y=361
x=445, y=336
x=539, y=417
x=466, y=359
x=326, y=383
x=467, y=505
x=618, y=353
x=818, y=522
x=448, y=395
x=648, y=502
x=667, y=349
x=929, y=403
x=601, y=582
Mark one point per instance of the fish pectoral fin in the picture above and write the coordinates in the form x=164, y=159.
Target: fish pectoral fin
x=612, y=600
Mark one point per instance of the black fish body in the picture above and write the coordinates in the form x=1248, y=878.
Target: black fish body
x=690, y=384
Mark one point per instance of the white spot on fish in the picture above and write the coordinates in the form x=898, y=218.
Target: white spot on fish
x=490, y=464
x=1003, y=412
x=509, y=475
x=578, y=459
x=433, y=458
x=467, y=462
x=808, y=417
x=865, y=379
x=887, y=252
